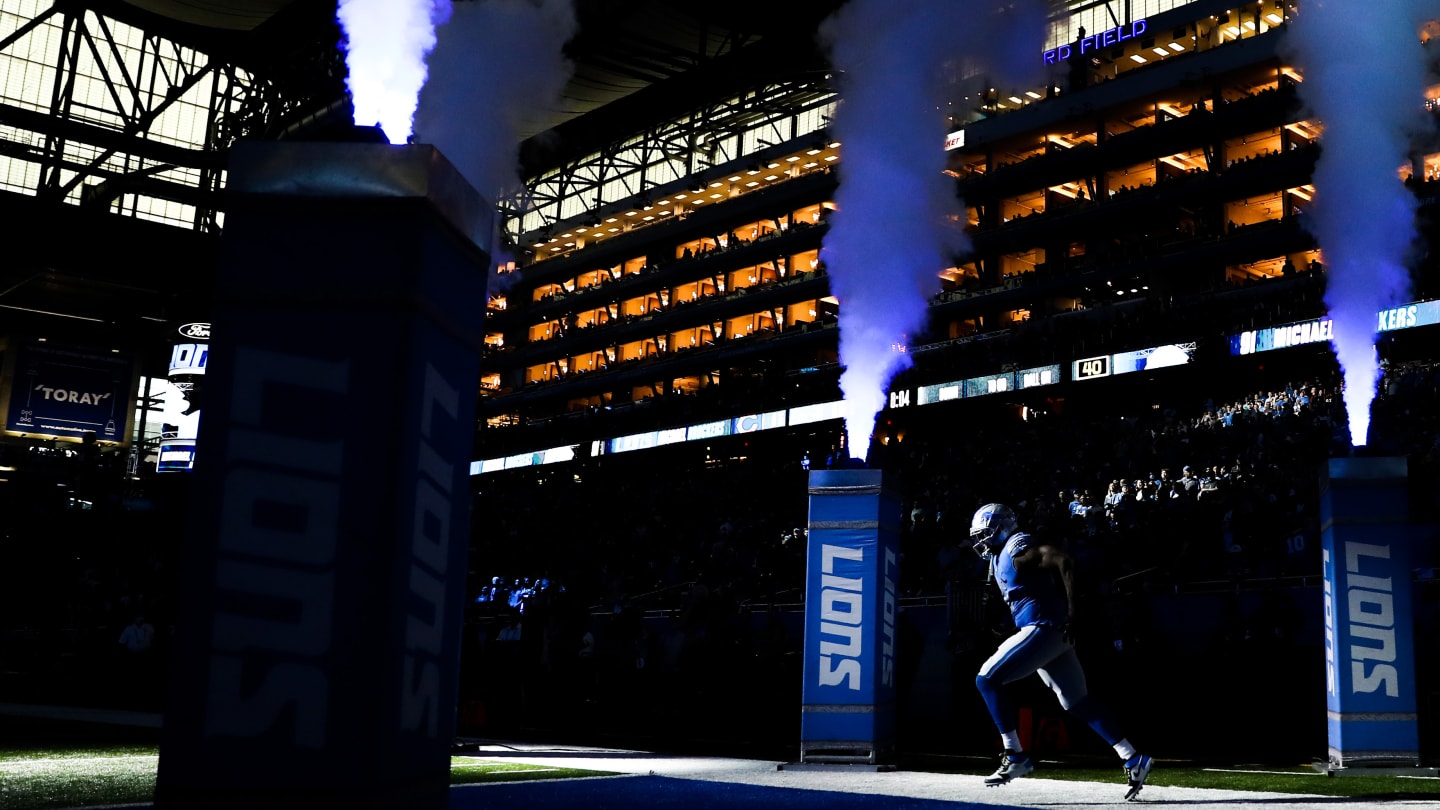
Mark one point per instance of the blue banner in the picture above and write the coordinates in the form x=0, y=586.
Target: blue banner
x=848, y=711
x=317, y=653
x=65, y=393
x=1369, y=637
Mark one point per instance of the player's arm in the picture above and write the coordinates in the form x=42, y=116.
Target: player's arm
x=1052, y=559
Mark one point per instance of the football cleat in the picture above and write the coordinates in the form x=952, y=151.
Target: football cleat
x=1136, y=769
x=1013, y=765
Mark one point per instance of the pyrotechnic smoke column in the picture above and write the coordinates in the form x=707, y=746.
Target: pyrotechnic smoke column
x=320, y=616
x=851, y=608
x=1366, y=537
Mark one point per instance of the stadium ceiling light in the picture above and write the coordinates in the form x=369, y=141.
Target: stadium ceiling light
x=1137, y=58
x=1161, y=52
x=1176, y=47
x=48, y=312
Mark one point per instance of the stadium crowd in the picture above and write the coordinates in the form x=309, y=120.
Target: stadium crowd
x=1223, y=489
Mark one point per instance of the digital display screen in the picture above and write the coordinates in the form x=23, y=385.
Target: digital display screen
x=1282, y=337
x=1036, y=377
x=1302, y=333
x=992, y=384
x=758, y=421
x=944, y=392
x=1092, y=368
x=708, y=430
x=805, y=414
x=1173, y=354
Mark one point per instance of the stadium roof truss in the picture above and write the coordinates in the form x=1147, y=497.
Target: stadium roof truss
x=669, y=153
x=99, y=113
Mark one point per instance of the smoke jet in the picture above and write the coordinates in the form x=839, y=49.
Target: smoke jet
x=385, y=46
x=1364, y=74
x=497, y=65
x=898, y=221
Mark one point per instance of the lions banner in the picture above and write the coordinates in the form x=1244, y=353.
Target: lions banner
x=848, y=711
x=1369, y=635
x=317, y=655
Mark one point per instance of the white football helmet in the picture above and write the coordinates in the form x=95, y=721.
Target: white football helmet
x=991, y=527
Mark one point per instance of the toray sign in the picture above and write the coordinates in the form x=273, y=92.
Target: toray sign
x=1104, y=39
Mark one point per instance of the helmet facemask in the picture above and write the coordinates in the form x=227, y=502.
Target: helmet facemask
x=990, y=528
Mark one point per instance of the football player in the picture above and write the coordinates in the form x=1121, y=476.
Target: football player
x=1037, y=583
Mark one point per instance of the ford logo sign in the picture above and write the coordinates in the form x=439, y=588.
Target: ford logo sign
x=196, y=331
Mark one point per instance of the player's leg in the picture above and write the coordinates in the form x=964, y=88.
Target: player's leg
x=1017, y=657
x=1065, y=676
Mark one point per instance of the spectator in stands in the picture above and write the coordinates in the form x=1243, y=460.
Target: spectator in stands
x=138, y=636
x=1188, y=481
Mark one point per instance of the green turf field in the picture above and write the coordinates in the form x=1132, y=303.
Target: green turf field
x=1299, y=779
x=60, y=776
x=123, y=774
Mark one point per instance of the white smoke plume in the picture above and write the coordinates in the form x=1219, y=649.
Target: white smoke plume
x=1364, y=78
x=498, y=63
x=898, y=221
x=385, y=46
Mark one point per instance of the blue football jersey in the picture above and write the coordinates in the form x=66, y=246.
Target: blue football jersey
x=1035, y=595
